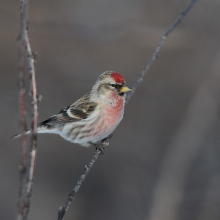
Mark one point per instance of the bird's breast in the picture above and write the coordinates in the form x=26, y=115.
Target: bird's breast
x=114, y=112
x=109, y=118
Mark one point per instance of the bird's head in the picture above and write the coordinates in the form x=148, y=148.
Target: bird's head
x=110, y=85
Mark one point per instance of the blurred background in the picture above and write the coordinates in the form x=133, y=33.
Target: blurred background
x=164, y=159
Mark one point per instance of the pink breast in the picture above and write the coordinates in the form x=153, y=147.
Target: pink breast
x=114, y=113
x=109, y=118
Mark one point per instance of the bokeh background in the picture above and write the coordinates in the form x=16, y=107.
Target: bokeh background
x=164, y=159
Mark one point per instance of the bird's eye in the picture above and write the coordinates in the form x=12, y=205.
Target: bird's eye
x=113, y=85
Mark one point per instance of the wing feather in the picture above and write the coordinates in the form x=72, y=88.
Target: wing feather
x=79, y=110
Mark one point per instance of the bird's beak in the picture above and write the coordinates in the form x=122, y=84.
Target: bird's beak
x=124, y=89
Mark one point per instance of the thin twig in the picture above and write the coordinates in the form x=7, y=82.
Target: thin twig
x=21, y=85
x=33, y=92
x=157, y=49
x=71, y=196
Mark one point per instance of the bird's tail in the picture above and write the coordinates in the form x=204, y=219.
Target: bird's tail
x=43, y=127
x=40, y=129
x=19, y=135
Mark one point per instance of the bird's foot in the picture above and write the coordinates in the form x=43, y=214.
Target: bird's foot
x=101, y=147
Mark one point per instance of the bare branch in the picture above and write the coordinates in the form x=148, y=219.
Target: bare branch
x=157, y=49
x=71, y=196
x=21, y=85
x=33, y=148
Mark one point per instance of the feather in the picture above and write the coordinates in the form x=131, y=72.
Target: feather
x=79, y=110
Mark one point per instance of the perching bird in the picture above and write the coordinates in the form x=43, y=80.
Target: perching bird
x=93, y=117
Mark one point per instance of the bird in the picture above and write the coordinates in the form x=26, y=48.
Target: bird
x=93, y=117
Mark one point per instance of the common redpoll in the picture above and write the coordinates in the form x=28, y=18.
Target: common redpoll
x=93, y=117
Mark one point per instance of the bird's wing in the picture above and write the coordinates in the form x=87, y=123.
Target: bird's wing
x=79, y=110
x=82, y=108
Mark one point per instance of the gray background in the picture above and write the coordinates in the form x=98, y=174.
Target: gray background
x=163, y=161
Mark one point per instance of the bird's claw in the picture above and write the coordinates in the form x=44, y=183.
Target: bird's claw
x=102, y=145
x=99, y=147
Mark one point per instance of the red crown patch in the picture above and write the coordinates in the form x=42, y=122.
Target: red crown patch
x=118, y=78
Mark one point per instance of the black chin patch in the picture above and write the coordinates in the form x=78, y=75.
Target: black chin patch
x=121, y=94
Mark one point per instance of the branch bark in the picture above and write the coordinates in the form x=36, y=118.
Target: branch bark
x=21, y=85
x=71, y=196
x=62, y=210
x=25, y=43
